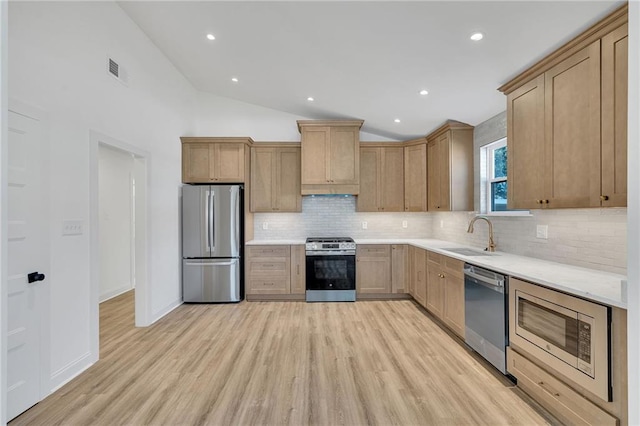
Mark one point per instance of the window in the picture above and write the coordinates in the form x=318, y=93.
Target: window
x=493, y=180
x=496, y=181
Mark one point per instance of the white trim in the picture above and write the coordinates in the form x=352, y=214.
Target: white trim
x=142, y=293
x=114, y=293
x=510, y=213
x=73, y=369
x=4, y=103
x=164, y=311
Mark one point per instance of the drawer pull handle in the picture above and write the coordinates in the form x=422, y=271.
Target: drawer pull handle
x=541, y=383
x=557, y=395
x=268, y=283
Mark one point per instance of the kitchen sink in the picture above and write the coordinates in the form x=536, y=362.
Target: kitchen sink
x=468, y=252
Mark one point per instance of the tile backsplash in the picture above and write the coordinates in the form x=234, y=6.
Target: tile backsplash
x=336, y=215
x=591, y=238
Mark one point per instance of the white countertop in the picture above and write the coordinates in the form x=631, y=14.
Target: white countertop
x=599, y=286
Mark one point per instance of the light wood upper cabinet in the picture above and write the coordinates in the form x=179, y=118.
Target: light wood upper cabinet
x=450, y=168
x=381, y=179
x=572, y=129
x=525, y=142
x=614, y=119
x=373, y=268
x=330, y=156
x=567, y=121
x=275, y=178
x=214, y=160
x=415, y=178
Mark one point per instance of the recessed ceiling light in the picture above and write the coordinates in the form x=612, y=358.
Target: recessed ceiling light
x=235, y=80
x=397, y=120
x=211, y=37
x=310, y=99
x=424, y=92
x=477, y=36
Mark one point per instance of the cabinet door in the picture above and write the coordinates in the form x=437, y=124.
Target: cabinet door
x=344, y=159
x=415, y=178
x=444, y=178
x=367, y=200
x=197, y=162
x=435, y=284
x=419, y=276
x=411, y=277
x=614, y=120
x=453, y=312
x=525, y=144
x=263, y=183
x=229, y=162
x=391, y=183
x=572, y=129
x=433, y=179
x=373, y=269
x=399, y=268
x=298, y=277
x=288, y=197
x=315, y=145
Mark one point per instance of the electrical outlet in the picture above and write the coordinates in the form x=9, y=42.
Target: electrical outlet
x=442, y=224
x=364, y=225
x=542, y=231
x=265, y=225
x=405, y=224
x=72, y=227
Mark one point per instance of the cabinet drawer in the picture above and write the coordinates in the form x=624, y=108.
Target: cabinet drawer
x=271, y=267
x=267, y=251
x=273, y=285
x=454, y=266
x=434, y=257
x=565, y=403
x=382, y=250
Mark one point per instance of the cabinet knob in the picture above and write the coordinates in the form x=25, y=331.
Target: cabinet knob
x=604, y=197
x=545, y=201
x=538, y=201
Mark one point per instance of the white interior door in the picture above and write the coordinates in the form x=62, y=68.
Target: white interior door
x=27, y=254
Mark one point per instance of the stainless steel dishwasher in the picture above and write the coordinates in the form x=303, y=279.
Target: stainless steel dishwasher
x=485, y=314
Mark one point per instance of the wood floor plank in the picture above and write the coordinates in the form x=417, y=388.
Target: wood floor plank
x=282, y=363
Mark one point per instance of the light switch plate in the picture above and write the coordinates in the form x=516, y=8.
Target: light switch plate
x=72, y=227
x=405, y=224
x=364, y=225
x=265, y=225
x=542, y=231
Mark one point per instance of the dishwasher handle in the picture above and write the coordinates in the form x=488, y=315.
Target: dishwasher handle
x=493, y=281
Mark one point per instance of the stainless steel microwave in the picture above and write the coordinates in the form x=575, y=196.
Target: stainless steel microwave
x=568, y=334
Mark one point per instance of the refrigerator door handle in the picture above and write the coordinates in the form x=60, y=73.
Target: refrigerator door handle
x=212, y=222
x=211, y=263
x=235, y=206
x=207, y=221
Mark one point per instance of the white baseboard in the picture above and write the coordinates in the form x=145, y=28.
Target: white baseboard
x=164, y=311
x=113, y=293
x=70, y=371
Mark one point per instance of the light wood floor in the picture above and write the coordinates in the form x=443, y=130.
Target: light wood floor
x=254, y=363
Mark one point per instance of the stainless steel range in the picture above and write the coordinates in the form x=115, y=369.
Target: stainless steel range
x=331, y=269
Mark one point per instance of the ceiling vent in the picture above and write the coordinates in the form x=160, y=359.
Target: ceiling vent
x=116, y=71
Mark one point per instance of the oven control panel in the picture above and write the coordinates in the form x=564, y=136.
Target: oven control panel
x=330, y=246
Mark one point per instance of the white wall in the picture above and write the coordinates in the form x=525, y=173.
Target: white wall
x=115, y=212
x=219, y=116
x=57, y=63
x=4, y=105
x=633, y=312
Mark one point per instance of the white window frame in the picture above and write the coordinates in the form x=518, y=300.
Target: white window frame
x=486, y=179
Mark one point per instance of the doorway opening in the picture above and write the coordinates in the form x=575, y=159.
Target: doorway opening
x=119, y=223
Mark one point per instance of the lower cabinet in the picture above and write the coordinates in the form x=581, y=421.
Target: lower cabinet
x=399, y=268
x=275, y=270
x=418, y=274
x=373, y=268
x=445, y=290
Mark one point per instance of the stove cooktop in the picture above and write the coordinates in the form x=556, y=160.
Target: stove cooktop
x=330, y=240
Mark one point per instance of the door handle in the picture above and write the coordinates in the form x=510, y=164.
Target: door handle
x=35, y=276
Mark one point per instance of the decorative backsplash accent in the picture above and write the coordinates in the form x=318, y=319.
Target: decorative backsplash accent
x=590, y=238
x=336, y=215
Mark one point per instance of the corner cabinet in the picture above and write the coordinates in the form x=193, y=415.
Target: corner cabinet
x=381, y=178
x=330, y=156
x=275, y=178
x=450, y=168
x=415, y=176
x=566, y=123
x=215, y=160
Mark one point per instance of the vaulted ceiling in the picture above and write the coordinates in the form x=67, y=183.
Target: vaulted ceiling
x=363, y=60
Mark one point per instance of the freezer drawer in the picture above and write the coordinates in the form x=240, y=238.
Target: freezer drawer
x=211, y=280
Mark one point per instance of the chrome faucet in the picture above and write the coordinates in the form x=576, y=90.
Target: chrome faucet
x=492, y=245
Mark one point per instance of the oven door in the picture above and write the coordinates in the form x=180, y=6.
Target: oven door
x=331, y=272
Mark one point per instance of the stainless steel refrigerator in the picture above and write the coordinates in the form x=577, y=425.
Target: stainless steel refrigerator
x=212, y=243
